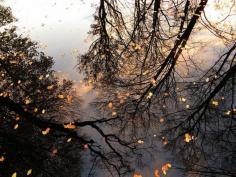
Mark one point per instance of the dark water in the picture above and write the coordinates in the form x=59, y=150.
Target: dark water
x=61, y=27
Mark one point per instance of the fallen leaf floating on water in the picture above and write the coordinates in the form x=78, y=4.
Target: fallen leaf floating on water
x=13, y=62
x=150, y=94
x=165, y=168
x=43, y=111
x=29, y=172
x=162, y=119
x=60, y=96
x=215, y=103
x=110, y=105
x=86, y=146
x=140, y=142
x=2, y=158
x=46, y=131
x=35, y=109
x=137, y=175
x=182, y=99
x=50, y=87
x=114, y=114
x=69, y=126
x=16, y=126
x=188, y=137
x=164, y=141
x=227, y=112
x=54, y=151
x=156, y=173
x=69, y=140
x=28, y=101
x=40, y=77
x=14, y=175
x=17, y=117
x=69, y=98
x=153, y=81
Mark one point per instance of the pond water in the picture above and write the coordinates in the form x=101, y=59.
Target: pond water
x=61, y=28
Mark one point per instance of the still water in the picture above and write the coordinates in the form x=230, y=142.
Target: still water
x=61, y=28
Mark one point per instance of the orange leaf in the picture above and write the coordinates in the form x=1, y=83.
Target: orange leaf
x=54, y=151
x=69, y=126
x=110, y=105
x=165, y=168
x=69, y=98
x=156, y=173
x=2, y=158
x=137, y=175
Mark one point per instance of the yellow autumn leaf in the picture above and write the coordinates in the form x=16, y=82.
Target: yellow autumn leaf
x=215, y=103
x=29, y=172
x=14, y=174
x=13, y=62
x=16, y=126
x=43, y=111
x=150, y=94
x=28, y=101
x=187, y=137
x=140, y=142
x=227, y=112
x=50, y=87
x=182, y=99
x=46, y=131
x=114, y=113
x=40, y=77
x=60, y=96
x=69, y=140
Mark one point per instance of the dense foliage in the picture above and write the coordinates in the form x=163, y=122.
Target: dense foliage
x=29, y=87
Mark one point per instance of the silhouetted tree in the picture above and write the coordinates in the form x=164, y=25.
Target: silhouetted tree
x=29, y=86
x=144, y=65
x=40, y=116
